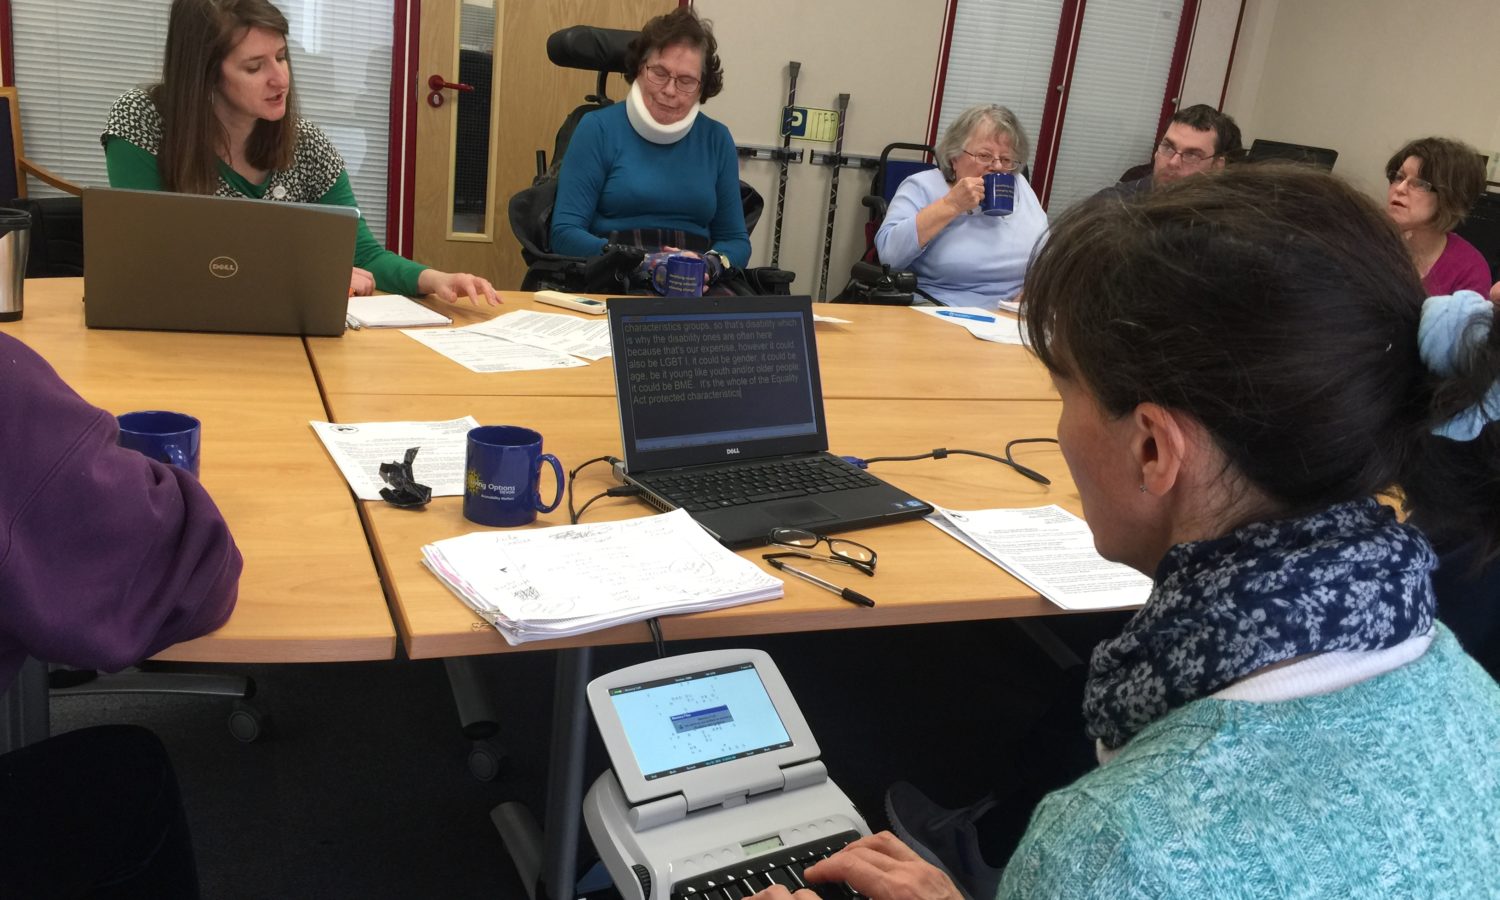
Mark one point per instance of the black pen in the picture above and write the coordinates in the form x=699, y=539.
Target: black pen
x=852, y=596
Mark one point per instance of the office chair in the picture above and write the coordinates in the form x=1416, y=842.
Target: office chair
x=56, y=222
x=1279, y=151
x=870, y=280
x=1481, y=227
x=600, y=50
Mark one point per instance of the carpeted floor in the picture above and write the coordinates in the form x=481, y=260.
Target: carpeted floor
x=362, y=790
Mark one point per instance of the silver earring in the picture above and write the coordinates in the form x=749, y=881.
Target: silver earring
x=1143, y=489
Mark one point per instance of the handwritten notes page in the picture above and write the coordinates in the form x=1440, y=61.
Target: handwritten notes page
x=1051, y=551
x=554, y=582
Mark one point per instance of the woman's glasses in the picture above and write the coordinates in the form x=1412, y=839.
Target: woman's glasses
x=1413, y=182
x=987, y=160
x=659, y=76
x=849, y=553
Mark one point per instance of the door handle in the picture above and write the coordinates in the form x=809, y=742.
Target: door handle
x=437, y=84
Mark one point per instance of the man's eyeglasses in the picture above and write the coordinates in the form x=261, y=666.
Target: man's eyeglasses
x=1166, y=150
x=1415, y=183
x=659, y=76
x=802, y=542
x=987, y=160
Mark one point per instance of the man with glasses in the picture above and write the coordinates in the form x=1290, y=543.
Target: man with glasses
x=1198, y=139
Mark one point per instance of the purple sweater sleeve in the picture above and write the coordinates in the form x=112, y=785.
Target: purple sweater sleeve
x=106, y=557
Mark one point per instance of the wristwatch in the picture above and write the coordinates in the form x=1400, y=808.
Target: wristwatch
x=721, y=259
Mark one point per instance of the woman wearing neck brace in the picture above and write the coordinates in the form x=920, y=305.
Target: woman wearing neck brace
x=652, y=170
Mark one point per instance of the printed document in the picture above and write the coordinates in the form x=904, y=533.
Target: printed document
x=1051, y=551
x=553, y=582
x=480, y=352
x=588, y=338
x=360, y=447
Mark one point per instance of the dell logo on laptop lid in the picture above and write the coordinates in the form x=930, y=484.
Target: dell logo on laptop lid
x=223, y=267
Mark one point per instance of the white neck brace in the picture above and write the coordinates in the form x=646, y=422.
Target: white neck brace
x=647, y=127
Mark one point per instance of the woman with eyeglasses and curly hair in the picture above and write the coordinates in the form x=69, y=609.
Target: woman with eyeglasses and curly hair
x=1434, y=182
x=935, y=227
x=653, y=171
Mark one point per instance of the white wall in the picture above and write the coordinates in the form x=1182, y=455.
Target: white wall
x=883, y=53
x=1365, y=76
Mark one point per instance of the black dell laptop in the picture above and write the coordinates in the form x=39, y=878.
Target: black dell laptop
x=721, y=414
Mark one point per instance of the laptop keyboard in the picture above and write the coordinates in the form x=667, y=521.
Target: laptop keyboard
x=785, y=867
x=696, y=491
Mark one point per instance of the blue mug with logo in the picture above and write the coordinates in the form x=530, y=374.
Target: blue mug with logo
x=168, y=437
x=502, y=476
x=684, y=276
x=999, y=194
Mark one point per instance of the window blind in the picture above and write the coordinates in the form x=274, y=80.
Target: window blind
x=1001, y=53
x=74, y=58
x=1119, y=78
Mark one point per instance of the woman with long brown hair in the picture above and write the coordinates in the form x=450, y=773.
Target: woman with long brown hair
x=223, y=121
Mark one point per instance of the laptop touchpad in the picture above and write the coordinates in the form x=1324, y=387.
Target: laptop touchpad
x=797, y=512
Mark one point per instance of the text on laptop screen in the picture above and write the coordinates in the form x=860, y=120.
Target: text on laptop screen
x=686, y=722
x=716, y=378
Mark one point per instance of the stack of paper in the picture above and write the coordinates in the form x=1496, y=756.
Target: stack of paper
x=554, y=582
x=1051, y=551
x=391, y=311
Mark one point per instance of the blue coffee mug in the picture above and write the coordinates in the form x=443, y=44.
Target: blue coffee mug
x=999, y=194
x=502, y=476
x=684, y=276
x=168, y=437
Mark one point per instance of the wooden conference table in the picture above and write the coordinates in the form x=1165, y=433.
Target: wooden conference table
x=895, y=383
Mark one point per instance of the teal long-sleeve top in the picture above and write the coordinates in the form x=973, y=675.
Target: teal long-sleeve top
x=133, y=136
x=1388, y=788
x=612, y=179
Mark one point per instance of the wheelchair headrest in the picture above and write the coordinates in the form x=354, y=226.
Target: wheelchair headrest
x=587, y=47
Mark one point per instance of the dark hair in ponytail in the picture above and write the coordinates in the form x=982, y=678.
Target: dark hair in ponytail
x=1279, y=308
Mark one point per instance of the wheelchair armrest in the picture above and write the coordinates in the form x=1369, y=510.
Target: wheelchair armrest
x=875, y=204
x=882, y=278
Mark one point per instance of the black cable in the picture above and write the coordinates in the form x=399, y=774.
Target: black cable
x=619, y=490
x=1006, y=460
x=573, y=475
x=657, y=641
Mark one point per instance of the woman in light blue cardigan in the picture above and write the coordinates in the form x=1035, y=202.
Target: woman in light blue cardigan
x=1245, y=361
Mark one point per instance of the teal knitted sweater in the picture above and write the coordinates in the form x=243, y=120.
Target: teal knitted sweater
x=1389, y=788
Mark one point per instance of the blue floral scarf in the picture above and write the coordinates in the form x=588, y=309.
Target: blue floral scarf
x=1348, y=578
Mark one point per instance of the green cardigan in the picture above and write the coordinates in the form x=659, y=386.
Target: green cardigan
x=1388, y=788
x=133, y=135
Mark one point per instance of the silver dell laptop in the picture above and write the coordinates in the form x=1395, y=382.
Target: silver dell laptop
x=184, y=262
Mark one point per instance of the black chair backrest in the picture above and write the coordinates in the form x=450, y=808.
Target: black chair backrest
x=530, y=212
x=753, y=203
x=599, y=50
x=1263, y=150
x=10, y=188
x=1481, y=227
